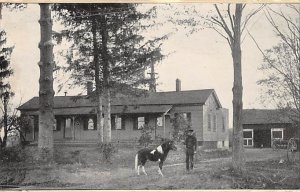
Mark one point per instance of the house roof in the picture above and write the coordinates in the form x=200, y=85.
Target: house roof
x=264, y=116
x=157, y=98
x=114, y=110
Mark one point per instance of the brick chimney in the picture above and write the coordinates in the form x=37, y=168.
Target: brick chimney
x=178, y=85
x=89, y=88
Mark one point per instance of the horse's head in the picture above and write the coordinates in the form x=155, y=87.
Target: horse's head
x=171, y=145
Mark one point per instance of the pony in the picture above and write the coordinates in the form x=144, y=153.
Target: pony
x=158, y=154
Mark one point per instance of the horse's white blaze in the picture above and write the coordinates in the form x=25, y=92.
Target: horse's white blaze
x=160, y=150
x=143, y=168
x=159, y=171
x=152, y=152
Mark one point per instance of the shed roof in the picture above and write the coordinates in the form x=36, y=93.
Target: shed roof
x=264, y=116
x=157, y=98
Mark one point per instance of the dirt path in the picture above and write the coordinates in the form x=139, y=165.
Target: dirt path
x=126, y=178
x=204, y=176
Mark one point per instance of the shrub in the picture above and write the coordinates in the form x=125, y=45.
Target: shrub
x=12, y=154
x=146, y=138
x=107, y=150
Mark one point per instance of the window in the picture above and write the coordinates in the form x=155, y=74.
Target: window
x=277, y=133
x=209, y=122
x=215, y=123
x=223, y=123
x=139, y=122
x=186, y=116
x=159, y=121
x=248, y=137
x=117, y=123
x=90, y=123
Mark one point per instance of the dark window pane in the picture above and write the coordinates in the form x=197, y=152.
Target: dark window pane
x=250, y=142
x=247, y=134
x=277, y=134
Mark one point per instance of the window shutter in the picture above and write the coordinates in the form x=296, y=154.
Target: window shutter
x=189, y=117
x=123, y=123
x=113, y=122
x=147, y=119
x=85, y=123
x=58, y=124
x=135, y=123
x=95, y=122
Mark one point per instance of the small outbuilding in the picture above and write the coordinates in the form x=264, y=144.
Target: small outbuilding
x=261, y=126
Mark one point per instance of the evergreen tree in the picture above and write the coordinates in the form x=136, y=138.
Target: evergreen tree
x=5, y=92
x=122, y=53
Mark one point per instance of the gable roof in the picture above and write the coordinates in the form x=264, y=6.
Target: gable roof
x=264, y=116
x=157, y=98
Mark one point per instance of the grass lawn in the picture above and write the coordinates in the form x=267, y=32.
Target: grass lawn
x=84, y=168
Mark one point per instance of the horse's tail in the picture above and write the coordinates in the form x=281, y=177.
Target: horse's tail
x=136, y=162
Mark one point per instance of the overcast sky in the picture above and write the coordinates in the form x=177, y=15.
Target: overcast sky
x=201, y=61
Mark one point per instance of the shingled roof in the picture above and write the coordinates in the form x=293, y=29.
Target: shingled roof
x=264, y=116
x=157, y=98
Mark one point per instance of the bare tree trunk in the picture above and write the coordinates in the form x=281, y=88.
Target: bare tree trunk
x=106, y=76
x=5, y=124
x=238, y=145
x=98, y=82
x=46, y=92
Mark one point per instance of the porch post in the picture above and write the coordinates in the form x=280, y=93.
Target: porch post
x=73, y=128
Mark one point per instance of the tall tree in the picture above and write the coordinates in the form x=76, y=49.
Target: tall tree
x=5, y=91
x=46, y=92
x=124, y=53
x=230, y=25
x=5, y=71
x=281, y=63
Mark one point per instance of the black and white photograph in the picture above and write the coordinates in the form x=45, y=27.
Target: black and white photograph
x=149, y=95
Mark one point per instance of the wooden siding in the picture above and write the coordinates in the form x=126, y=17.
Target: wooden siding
x=196, y=117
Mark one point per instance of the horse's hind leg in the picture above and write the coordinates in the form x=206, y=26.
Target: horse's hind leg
x=143, y=168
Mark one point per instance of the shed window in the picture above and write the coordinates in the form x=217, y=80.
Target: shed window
x=277, y=133
x=248, y=137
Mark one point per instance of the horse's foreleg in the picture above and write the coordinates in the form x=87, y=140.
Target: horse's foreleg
x=160, y=168
x=143, y=168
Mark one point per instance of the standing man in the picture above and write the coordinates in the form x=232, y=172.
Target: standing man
x=191, y=148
